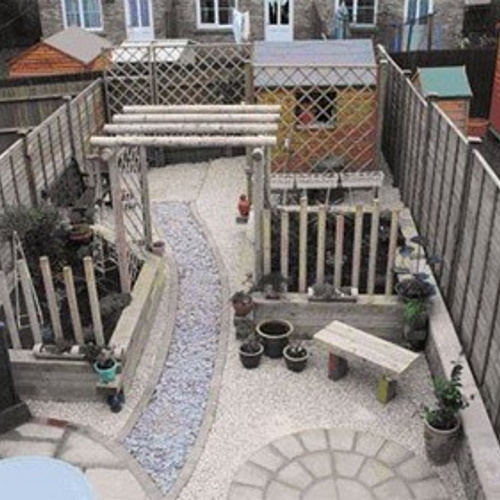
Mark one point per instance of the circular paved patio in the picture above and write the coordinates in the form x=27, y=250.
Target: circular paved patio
x=335, y=464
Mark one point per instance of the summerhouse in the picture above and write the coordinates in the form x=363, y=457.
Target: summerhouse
x=450, y=88
x=327, y=90
x=72, y=50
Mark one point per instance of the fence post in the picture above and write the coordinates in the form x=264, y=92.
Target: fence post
x=393, y=240
x=358, y=239
x=258, y=159
x=303, y=245
x=266, y=230
x=249, y=99
x=74, y=313
x=28, y=166
x=9, y=312
x=339, y=250
x=51, y=298
x=284, y=243
x=381, y=93
x=71, y=132
x=320, y=256
x=88, y=266
x=372, y=261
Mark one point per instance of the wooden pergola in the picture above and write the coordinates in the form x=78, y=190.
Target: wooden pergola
x=192, y=126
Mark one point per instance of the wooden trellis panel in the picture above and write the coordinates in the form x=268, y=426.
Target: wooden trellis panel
x=329, y=116
x=169, y=73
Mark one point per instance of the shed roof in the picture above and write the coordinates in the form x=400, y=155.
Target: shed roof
x=447, y=81
x=353, y=60
x=78, y=43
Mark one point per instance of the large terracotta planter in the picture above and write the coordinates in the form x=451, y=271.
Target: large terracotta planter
x=440, y=445
x=274, y=335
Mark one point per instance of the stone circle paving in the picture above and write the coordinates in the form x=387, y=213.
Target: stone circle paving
x=167, y=429
x=335, y=464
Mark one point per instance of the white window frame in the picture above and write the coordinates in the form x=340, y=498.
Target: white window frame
x=215, y=25
x=338, y=3
x=430, y=9
x=80, y=10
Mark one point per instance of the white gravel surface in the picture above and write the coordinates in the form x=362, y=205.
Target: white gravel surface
x=256, y=407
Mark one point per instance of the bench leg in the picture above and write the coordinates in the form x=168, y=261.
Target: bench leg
x=386, y=389
x=337, y=367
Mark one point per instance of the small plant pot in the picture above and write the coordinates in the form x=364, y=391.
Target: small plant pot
x=251, y=360
x=295, y=364
x=441, y=444
x=158, y=248
x=106, y=375
x=80, y=236
x=274, y=335
x=417, y=338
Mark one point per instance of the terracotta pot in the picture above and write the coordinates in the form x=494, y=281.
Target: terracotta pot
x=243, y=307
x=243, y=206
x=158, y=248
x=274, y=335
x=440, y=445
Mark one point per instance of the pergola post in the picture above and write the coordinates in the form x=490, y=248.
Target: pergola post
x=258, y=164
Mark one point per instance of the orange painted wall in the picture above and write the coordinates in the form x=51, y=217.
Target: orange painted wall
x=351, y=137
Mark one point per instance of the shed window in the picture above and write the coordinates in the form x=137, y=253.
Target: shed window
x=215, y=13
x=83, y=13
x=316, y=108
x=417, y=11
x=362, y=12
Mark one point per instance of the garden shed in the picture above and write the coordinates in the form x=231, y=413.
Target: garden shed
x=450, y=88
x=72, y=50
x=327, y=90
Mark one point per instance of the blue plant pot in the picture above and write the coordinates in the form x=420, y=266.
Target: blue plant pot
x=107, y=375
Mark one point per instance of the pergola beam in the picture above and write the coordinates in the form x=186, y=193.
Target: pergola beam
x=195, y=128
x=198, y=118
x=207, y=109
x=185, y=141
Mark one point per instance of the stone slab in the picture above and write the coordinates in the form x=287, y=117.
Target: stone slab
x=83, y=451
x=113, y=484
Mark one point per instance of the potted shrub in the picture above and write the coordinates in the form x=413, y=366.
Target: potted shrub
x=251, y=353
x=416, y=316
x=274, y=335
x=296, y=356
x=326, y=292
x=442, y=423
x=242, y=303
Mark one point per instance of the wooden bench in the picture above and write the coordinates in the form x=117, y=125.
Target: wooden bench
x=345, y=342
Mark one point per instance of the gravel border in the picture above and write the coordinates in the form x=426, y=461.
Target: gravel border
x=164, y=436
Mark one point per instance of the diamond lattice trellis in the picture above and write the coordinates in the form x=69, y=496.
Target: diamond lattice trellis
x=329, y=116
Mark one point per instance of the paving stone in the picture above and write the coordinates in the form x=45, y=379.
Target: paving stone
x=323, y=490
x=347, y=464
x=314, y=440
x=289, y=446
x=349, y=489
x=414, y=469
x=81, y=450
x=40, y=431
x=368, y=444
x=243, y=492
x=374, y=472
x=393, y=454
x=341, y=439
x=318, y=463
x=115, y=484
x=252, y=475
x=394, y=488
x=296, y=475
x=268, y=458
x=279, y=491
x=429, y=488
x=14, y=448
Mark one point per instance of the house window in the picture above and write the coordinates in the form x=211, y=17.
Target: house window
x=361, y=12
x=417, y=11
x=83, y=13
x=215, y=13
x=316, y=108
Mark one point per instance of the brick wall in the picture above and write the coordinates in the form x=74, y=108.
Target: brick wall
x=114, y=24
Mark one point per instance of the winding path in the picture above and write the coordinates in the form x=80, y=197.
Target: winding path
x=168, y=427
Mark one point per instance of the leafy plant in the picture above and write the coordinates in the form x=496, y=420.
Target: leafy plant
x=449, y=401
x=325, y=291
x=296, y=350
x=241, y=297
x=272, y=285
x=40, y=230
x=102, y=357
x=415, y=312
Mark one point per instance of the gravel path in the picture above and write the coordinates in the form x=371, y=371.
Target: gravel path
x=168, y=427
